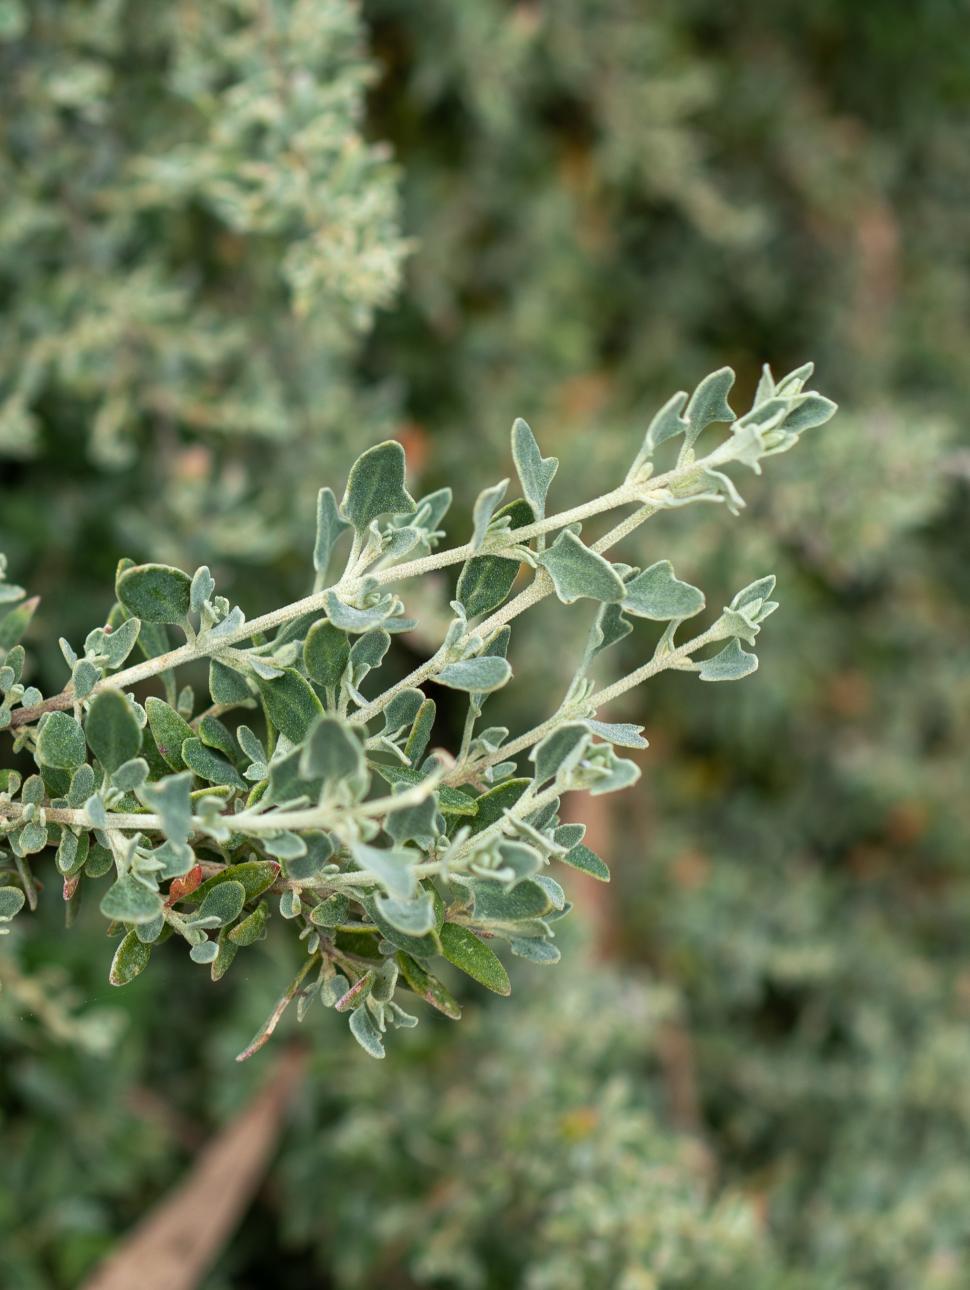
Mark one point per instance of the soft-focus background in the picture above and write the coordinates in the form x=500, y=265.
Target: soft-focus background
x=240, y=241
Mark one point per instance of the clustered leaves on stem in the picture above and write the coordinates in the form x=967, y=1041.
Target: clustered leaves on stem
x=324, y=807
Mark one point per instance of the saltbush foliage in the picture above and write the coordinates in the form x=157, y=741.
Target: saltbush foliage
x=335, y=814
x=571, y=1158
x=196, y=234
x=606, y=202
x=794, y=863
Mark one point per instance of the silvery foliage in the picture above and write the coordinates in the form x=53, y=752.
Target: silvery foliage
x=328, y=809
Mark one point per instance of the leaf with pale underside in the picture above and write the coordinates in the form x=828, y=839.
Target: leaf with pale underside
x=330, y=525
x=708, y=404
x=577, y=571
x=535, y=471
x=622, y=733
x=112, y=729
x=475, y=675
x=560, y=750
x=731, y=664
x=364, y=1030
x=392, y=867
x=130, y=958
x=332, y=751
x=376, y=486
x=656, y=593
x=486, y=502
x=171, y=799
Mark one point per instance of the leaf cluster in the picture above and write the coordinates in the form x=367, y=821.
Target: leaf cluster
x=286, y=791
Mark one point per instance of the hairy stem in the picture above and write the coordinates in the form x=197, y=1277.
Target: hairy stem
x=204, y=646
x=588, y=706
x=251, y=823
x=538, y=589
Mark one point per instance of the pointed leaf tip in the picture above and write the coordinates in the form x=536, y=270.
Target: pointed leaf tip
x=535, y=471
x=376, y=486
x=577, y=571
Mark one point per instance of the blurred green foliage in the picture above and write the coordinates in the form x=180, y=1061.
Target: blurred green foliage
x=195, y=236
x=572, y=1180
x=608, y=202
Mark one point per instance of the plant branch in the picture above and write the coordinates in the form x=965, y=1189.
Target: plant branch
x=538, y=589
x=588, y=706
x=205, y=646
x=251, y=823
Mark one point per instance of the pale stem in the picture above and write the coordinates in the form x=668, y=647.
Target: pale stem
x=538, y=589
x=204, y=646
x=610, y=692
x=527, y=804
x=247, y=822
x=590, y=704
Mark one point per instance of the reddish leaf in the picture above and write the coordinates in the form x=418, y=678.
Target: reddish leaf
x=184, y=886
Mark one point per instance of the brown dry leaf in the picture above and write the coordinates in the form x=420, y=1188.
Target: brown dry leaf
x=173, y=1247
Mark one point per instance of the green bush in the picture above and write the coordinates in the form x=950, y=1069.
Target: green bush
x=195, y=236
x=488, y=1167
x=384, y=857
x=604, y=203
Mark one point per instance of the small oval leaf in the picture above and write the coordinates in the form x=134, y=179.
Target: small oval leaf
x=291, y=705
x=155, y=593
x=131, y=957
x=464, y=949
x=129, y=901
x=112, y=729
x=61, y=742
x=326, y=652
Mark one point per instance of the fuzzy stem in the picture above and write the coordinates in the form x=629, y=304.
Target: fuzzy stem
x=528, y=804
x=204, y=646
x=251, y=823
x=538, y=589
x=591, y=703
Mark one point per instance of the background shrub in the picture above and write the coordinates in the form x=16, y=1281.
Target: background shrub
x=604, y=204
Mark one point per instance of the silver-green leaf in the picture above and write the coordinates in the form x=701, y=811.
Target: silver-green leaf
x=475, y=675
x=364, y=1030
x=129, y=901
x=731, y=664
x=708, y=404
x=171, y=799
x=656, y=593
x=393, y=868
x=376, y=486
x=332, y=751
x=485, y=505
x=155, y=593
x=60, y=742
x=577, y=571
x=330, y=525
x=112, y=729
x=560, y=750
x=535, y=471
